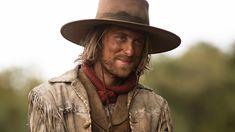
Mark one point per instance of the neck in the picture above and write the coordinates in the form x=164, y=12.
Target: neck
x=104, y=76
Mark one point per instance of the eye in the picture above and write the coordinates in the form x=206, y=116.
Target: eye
x=139, y=42
x=120, y=37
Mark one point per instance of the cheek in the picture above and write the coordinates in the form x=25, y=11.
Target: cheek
x=110, y=49
x=138, y=52
x=140, y=48
x=108, y=53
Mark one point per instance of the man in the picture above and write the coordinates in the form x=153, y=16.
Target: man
x=103, y=92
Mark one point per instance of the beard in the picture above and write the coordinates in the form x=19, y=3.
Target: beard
x=111, y=67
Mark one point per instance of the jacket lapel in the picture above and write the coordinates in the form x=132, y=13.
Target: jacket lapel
x=120, y=113
x=97, y=109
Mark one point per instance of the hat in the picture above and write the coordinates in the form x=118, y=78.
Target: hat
x=132, y=14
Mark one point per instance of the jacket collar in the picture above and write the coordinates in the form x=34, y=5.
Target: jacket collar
x=71, y=76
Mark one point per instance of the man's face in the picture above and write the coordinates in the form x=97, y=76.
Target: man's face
x=122, y=50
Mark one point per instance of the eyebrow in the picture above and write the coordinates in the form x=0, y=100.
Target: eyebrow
x=127, y=32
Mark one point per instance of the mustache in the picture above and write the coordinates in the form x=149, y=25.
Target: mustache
x=126, y=58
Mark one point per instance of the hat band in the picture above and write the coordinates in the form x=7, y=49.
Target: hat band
x=124, y=17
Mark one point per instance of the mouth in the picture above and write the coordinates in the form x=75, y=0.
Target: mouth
x=125, y=60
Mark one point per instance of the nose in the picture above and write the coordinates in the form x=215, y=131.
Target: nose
x=129, y=48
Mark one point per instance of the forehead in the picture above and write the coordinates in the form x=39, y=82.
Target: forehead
x=115, y=29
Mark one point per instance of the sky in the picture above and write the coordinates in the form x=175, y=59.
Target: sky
x=30, y=29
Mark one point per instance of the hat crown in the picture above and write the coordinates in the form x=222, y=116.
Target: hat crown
x=134, y=11
x=132, y=14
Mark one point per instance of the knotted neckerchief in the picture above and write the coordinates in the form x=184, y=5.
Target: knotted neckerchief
x=109, y=94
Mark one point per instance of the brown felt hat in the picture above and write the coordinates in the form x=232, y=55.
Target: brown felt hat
x=132, y=14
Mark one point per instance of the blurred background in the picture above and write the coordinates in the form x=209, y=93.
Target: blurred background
x=197, y=78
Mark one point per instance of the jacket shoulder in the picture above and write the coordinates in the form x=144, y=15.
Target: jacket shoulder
x=147, y=91
x=48, y=93
x=44, y=113
x=40, y=97
x=148, y=98
x=149, y=111
x=57, y=83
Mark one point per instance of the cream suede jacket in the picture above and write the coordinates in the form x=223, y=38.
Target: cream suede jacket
x=62, y=105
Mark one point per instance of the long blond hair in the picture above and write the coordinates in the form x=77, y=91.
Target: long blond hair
x=93, y=48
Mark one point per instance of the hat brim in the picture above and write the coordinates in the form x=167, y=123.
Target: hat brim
x=160, y=40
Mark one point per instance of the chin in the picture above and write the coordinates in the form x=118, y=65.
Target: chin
x=118, y=71
x=122, y=74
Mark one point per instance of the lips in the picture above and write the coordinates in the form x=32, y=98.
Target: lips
x=125, y=60
x=125, y=63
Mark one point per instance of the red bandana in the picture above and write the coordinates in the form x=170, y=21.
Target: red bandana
x=110, y=94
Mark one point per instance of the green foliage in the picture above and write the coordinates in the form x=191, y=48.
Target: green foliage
x=15, y=84
x=199, y=87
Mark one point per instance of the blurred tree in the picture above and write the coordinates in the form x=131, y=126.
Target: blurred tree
x=232, y=54
x=15, y=84
x=199, y=87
